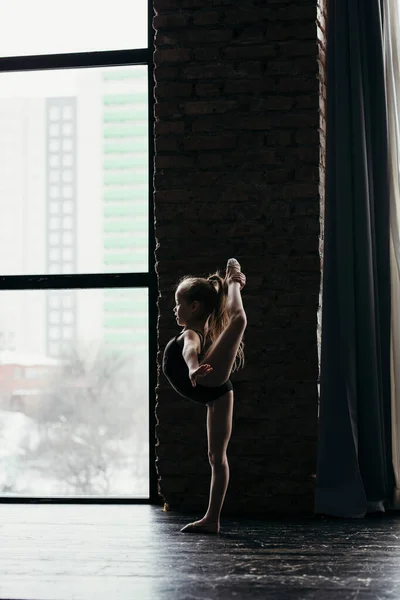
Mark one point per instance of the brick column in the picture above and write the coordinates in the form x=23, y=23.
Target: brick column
x=237, y=139
x=321, y=32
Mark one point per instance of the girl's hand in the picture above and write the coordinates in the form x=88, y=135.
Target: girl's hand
x=240, y=278
x=201, y=371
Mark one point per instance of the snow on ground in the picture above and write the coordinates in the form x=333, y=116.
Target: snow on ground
x=14, y=427
x=20, y=478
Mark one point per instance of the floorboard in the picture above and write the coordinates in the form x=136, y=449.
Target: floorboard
x=83, y=552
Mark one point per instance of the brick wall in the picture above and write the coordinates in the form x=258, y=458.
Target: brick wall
x=237, y=173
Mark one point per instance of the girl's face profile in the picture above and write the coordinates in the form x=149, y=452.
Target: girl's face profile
x=182, y=310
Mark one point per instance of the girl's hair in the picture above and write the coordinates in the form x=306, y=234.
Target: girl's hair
x=212, y=294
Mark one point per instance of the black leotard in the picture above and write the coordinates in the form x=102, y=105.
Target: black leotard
x=176, y=371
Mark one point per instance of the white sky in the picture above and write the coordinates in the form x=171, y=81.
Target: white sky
x=54, y=26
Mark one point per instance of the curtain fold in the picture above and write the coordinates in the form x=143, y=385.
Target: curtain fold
x=391, y=36
x=354, y=464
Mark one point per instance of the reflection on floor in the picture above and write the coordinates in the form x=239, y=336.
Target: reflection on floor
x=87, y=552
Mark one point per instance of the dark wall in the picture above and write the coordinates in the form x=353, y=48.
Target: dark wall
x=237, y=173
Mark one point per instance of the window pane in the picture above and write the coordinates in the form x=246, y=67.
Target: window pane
x=55, y=254
x=54, y=161
x=54, y=208
x=79, y=137
x=54, y=239
x=74, y=393
x=83, y=26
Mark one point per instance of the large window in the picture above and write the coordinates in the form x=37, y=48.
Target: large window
x=77, y=284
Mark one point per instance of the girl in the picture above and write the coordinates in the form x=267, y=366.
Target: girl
x=209, y=349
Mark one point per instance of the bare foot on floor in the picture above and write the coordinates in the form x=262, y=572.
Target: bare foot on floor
x=202, y=526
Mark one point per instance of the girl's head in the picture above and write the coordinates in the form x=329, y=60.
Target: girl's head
x=196, y=298
x=200, y=301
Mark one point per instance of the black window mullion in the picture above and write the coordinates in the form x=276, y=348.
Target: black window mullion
x=77, y=60
x=81, y=281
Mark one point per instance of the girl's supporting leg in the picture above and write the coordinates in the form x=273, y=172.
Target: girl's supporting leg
x=219, y=429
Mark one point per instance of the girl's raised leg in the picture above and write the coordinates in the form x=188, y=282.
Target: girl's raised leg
x=223, y=352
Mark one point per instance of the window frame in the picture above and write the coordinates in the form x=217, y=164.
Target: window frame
x=108, y=58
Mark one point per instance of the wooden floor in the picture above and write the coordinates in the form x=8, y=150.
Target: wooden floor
x=67, y=552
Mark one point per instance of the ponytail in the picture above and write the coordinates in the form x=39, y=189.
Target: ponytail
x=218, y=319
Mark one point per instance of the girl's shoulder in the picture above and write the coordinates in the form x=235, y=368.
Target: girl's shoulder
x=180, y=338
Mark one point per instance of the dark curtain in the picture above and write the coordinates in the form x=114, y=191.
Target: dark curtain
x=354, y=471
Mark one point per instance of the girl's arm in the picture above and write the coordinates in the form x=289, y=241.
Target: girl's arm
x=191, y=348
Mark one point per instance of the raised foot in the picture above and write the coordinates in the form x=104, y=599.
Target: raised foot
x=232, y=267
x=234, y=273
x=201, y=527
